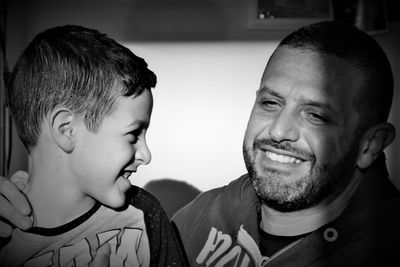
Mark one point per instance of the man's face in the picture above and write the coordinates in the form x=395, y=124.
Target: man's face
x=117, y=149
x=300, y=144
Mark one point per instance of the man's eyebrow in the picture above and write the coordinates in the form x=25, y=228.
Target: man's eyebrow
x=266, y=89
x=318, y=104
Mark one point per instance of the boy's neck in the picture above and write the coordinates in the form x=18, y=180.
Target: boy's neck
x=53, y=198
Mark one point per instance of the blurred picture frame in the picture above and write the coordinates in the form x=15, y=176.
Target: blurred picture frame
x=287, y=14
x=370, y=16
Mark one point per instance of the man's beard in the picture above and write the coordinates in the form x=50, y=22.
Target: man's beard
x=307, y=191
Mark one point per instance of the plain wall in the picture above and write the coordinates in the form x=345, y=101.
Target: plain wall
x=209, y=64
x=203, y=100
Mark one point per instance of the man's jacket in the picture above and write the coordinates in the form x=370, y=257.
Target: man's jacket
x=220, y=228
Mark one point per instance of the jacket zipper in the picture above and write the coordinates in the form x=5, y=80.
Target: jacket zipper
x=280, y=252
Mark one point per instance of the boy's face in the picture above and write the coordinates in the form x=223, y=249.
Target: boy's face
x=101, y=160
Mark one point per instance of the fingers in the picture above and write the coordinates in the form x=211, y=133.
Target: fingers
x=14, y=207
x=102, y=257
x=20, y=179
x=5, y=230
x=8, y=214
x=17, y=199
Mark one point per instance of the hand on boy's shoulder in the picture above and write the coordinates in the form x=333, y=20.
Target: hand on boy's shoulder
x=14, y=207
x=20, y=179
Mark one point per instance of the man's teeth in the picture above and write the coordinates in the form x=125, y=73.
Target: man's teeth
x=280, y=158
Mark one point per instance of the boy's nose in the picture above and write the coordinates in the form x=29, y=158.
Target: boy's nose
x=143, y=154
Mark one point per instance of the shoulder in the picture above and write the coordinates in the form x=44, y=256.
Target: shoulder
x=212, y=199
x=143, y=200
x=197, y=206
x=165, y=247
x=155, y=217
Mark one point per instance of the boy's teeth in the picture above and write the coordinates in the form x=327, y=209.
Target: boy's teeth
x=281, y=158
x=126, y=175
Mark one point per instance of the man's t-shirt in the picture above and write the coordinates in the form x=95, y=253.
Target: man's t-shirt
x=271, y=244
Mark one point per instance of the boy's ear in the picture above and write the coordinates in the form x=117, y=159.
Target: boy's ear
x=62, y=127
x=374, y=141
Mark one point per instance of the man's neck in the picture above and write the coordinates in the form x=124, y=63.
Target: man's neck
x=54, y=199
x=308, y=220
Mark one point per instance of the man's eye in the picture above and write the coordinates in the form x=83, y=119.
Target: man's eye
x=269, y=104
x=318, y=118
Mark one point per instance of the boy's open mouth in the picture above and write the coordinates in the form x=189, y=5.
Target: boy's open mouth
x=125, y=174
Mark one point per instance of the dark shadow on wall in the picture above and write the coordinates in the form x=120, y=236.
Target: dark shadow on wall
x=172, y=194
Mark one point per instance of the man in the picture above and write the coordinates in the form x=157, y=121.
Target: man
x=317, y=191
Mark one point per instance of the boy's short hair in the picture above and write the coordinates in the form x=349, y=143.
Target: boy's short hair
x=75, y=67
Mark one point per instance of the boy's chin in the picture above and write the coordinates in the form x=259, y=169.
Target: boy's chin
x=117, y=201
x=118, y=198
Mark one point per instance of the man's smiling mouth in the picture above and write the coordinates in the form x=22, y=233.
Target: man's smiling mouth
x=281, y=158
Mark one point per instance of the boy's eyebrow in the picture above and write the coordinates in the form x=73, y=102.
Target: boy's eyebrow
x=139, y=124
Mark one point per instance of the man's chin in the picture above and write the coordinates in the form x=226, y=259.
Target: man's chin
x=297, y=194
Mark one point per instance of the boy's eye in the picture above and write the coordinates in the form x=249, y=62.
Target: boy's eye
x=133, y=135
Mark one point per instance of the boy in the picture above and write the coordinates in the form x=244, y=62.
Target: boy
x=81, y=104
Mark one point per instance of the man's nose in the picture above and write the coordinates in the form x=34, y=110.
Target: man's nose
x=284, y=127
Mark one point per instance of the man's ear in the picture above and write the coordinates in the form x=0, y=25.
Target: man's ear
x=62, y=127
x=374, y=141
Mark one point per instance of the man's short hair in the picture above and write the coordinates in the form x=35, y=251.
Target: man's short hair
x=360, y=50
x=75, y=67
